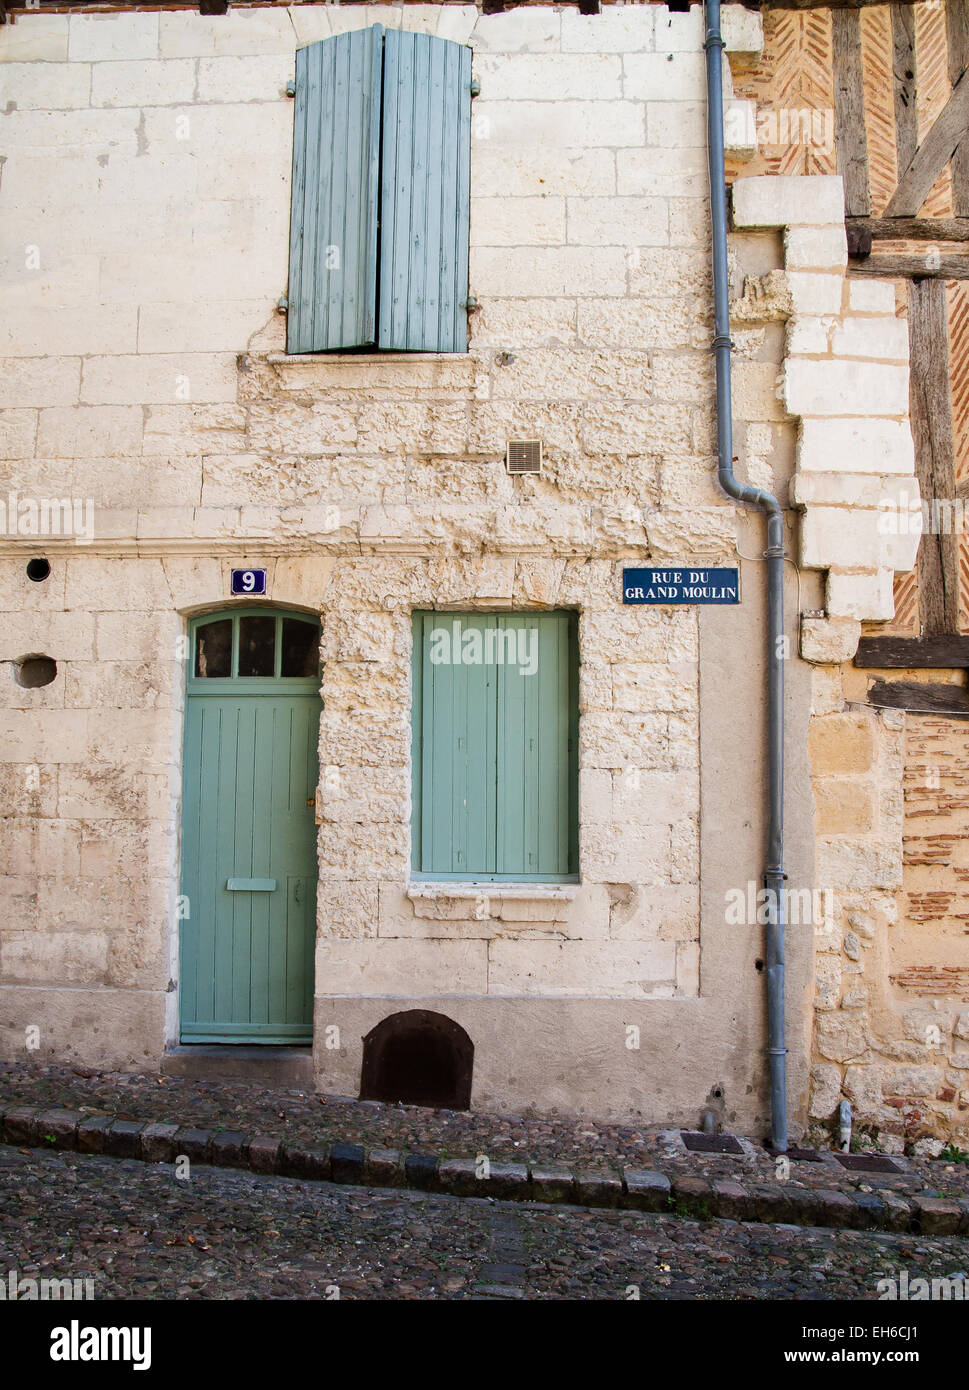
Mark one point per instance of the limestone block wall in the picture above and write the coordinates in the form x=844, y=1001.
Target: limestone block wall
x=845, y=378
x=891, y=983
x=144, y=374
x=91, y=791
x=890, y=986
x=631, y=928
x=151, y=248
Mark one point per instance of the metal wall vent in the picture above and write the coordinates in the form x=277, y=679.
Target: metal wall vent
x=524, y=455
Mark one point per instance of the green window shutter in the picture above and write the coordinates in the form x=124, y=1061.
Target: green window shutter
x=425, y=194
x=333, y=225
x=458, y=757
x=535, y=745
x=495, y=755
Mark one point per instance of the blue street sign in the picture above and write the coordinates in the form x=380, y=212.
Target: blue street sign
x=680, y=584
x=248, y=581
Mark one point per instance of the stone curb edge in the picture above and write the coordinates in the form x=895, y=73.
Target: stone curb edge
x=695, y=1198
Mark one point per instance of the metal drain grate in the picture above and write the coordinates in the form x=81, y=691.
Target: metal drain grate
x=699, y=1143
x=868, y=1163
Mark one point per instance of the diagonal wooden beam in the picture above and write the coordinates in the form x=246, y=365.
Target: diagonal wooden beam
x=849, y=112
x=933, y=154
x=931, y=417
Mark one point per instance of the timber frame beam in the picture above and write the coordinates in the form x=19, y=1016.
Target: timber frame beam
x=910, y=267
x=849, y=113
x=932, y=155
x=913, y=653
x=930, y=412
x=934, y=229
x=926, y=252
x=919, y=161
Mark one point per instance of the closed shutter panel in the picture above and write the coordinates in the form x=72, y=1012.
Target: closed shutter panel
x=458, y=759
x=425, y=194
x=333, y=227
x=535, y=745
x=495, y=746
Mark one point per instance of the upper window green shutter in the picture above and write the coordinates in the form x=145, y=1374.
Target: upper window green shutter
x=425, y=194
x=333, y=227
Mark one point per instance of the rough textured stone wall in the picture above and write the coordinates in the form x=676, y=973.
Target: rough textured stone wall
x=893, y=970
x=631, y=928
x=145, y=373
x=891, y=981
x=147, y=376
x=888, y=786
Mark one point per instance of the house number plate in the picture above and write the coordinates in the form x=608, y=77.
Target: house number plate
x=248, y=581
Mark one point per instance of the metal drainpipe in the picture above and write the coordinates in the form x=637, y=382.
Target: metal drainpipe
x=767, y=503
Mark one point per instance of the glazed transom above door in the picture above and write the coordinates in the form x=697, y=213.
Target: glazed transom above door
x=247, y=644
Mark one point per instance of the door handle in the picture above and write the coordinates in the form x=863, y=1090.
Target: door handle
x=296, y=890
x=251, y=885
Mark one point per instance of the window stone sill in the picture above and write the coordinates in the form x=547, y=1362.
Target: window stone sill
x=508, y=902
x=361, y=359
x=455, y=889
x=447, y=375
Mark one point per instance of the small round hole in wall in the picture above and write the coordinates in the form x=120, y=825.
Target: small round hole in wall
x=758, y=965
x=38, y=569
x=34, y=671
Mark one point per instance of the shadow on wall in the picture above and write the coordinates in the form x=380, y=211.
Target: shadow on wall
x=419, y=1058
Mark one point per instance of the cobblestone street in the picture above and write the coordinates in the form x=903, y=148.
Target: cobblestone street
x=140, y=1232
x=304, y=1117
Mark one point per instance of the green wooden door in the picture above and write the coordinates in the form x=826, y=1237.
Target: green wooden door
x=249, y=862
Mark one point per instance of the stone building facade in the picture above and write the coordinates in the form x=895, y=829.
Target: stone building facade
x=146, y=205
x=891, y=996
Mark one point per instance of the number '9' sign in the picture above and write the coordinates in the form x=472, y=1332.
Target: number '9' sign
x=248, y=581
